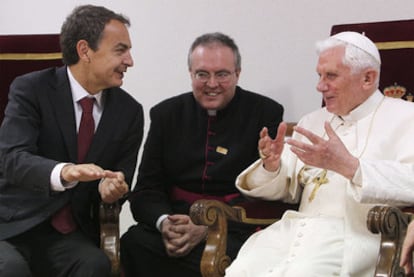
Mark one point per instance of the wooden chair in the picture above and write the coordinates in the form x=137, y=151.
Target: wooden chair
x=215, y=214
x=391, y=223
x=21, y=54
x=109, y=223
x=395, y=41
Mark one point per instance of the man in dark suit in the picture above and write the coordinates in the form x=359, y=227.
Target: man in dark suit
x=197, y=144
x=43, y=173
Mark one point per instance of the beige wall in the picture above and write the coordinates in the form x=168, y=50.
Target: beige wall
x=276, y=39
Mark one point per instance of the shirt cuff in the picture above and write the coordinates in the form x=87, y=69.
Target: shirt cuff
x=261, y=175
x=160, y=220
x=56, y=183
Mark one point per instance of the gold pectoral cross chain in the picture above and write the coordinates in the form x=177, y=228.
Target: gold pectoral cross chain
x=319, y=180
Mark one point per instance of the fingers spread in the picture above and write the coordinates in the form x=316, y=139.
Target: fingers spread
x=314, y=139
x=281, y=131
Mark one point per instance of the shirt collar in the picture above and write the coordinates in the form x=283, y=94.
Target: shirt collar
x=367, y=107
x=78, y=92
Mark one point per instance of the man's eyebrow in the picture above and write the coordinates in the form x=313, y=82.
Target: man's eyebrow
x=122, y=45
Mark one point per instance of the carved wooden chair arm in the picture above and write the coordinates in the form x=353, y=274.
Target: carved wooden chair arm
x=214, y=214
x=391, y=223
x=109, y=224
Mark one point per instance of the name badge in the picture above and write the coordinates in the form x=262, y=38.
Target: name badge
x=222, y=150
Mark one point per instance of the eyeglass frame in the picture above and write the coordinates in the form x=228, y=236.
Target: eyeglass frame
x=222, y=76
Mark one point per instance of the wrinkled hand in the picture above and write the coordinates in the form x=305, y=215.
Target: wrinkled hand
x=271, y=149
x=181, y=235
x=407, y=250
x=113, y=186
x=329, y=154
x=81, y=172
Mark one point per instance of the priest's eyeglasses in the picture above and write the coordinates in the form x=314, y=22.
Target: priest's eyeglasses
x=221, y=76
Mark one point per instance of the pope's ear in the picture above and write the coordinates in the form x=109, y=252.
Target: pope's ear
x=369, y=77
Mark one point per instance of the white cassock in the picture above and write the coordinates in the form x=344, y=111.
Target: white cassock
x=328, y=235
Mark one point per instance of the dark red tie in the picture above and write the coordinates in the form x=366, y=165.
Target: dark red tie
x=63, y=220
x=86, y=128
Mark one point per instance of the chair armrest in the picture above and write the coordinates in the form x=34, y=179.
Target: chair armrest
x=392, y=224
x=109, y=224
x=214, y=214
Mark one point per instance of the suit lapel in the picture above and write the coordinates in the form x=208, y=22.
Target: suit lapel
x=61, y=100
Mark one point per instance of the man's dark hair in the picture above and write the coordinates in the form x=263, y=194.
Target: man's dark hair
x=86, y=22
x=216, y=38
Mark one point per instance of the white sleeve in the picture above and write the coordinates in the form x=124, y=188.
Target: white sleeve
x=257, y=182
x=386, y=182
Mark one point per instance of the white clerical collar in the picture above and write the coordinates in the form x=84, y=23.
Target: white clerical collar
x=367, y=107
x=78, y=92
x=212, y=112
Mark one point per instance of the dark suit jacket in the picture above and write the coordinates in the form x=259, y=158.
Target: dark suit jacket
x=201, y=154
x=39, y=131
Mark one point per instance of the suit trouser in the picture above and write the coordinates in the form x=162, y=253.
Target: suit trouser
x=143, y=254
x=42, y=251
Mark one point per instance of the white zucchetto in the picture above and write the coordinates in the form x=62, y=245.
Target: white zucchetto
x=360, y=41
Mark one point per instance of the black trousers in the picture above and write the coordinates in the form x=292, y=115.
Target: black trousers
x=42, y=251
x=143, y=254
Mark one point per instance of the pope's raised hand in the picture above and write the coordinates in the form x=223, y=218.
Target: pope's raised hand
x=328, y=153
x=270, y=150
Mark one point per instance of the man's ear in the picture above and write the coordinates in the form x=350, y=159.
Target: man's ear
x=238, y=73
x=370, y=76
x=82, y=47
